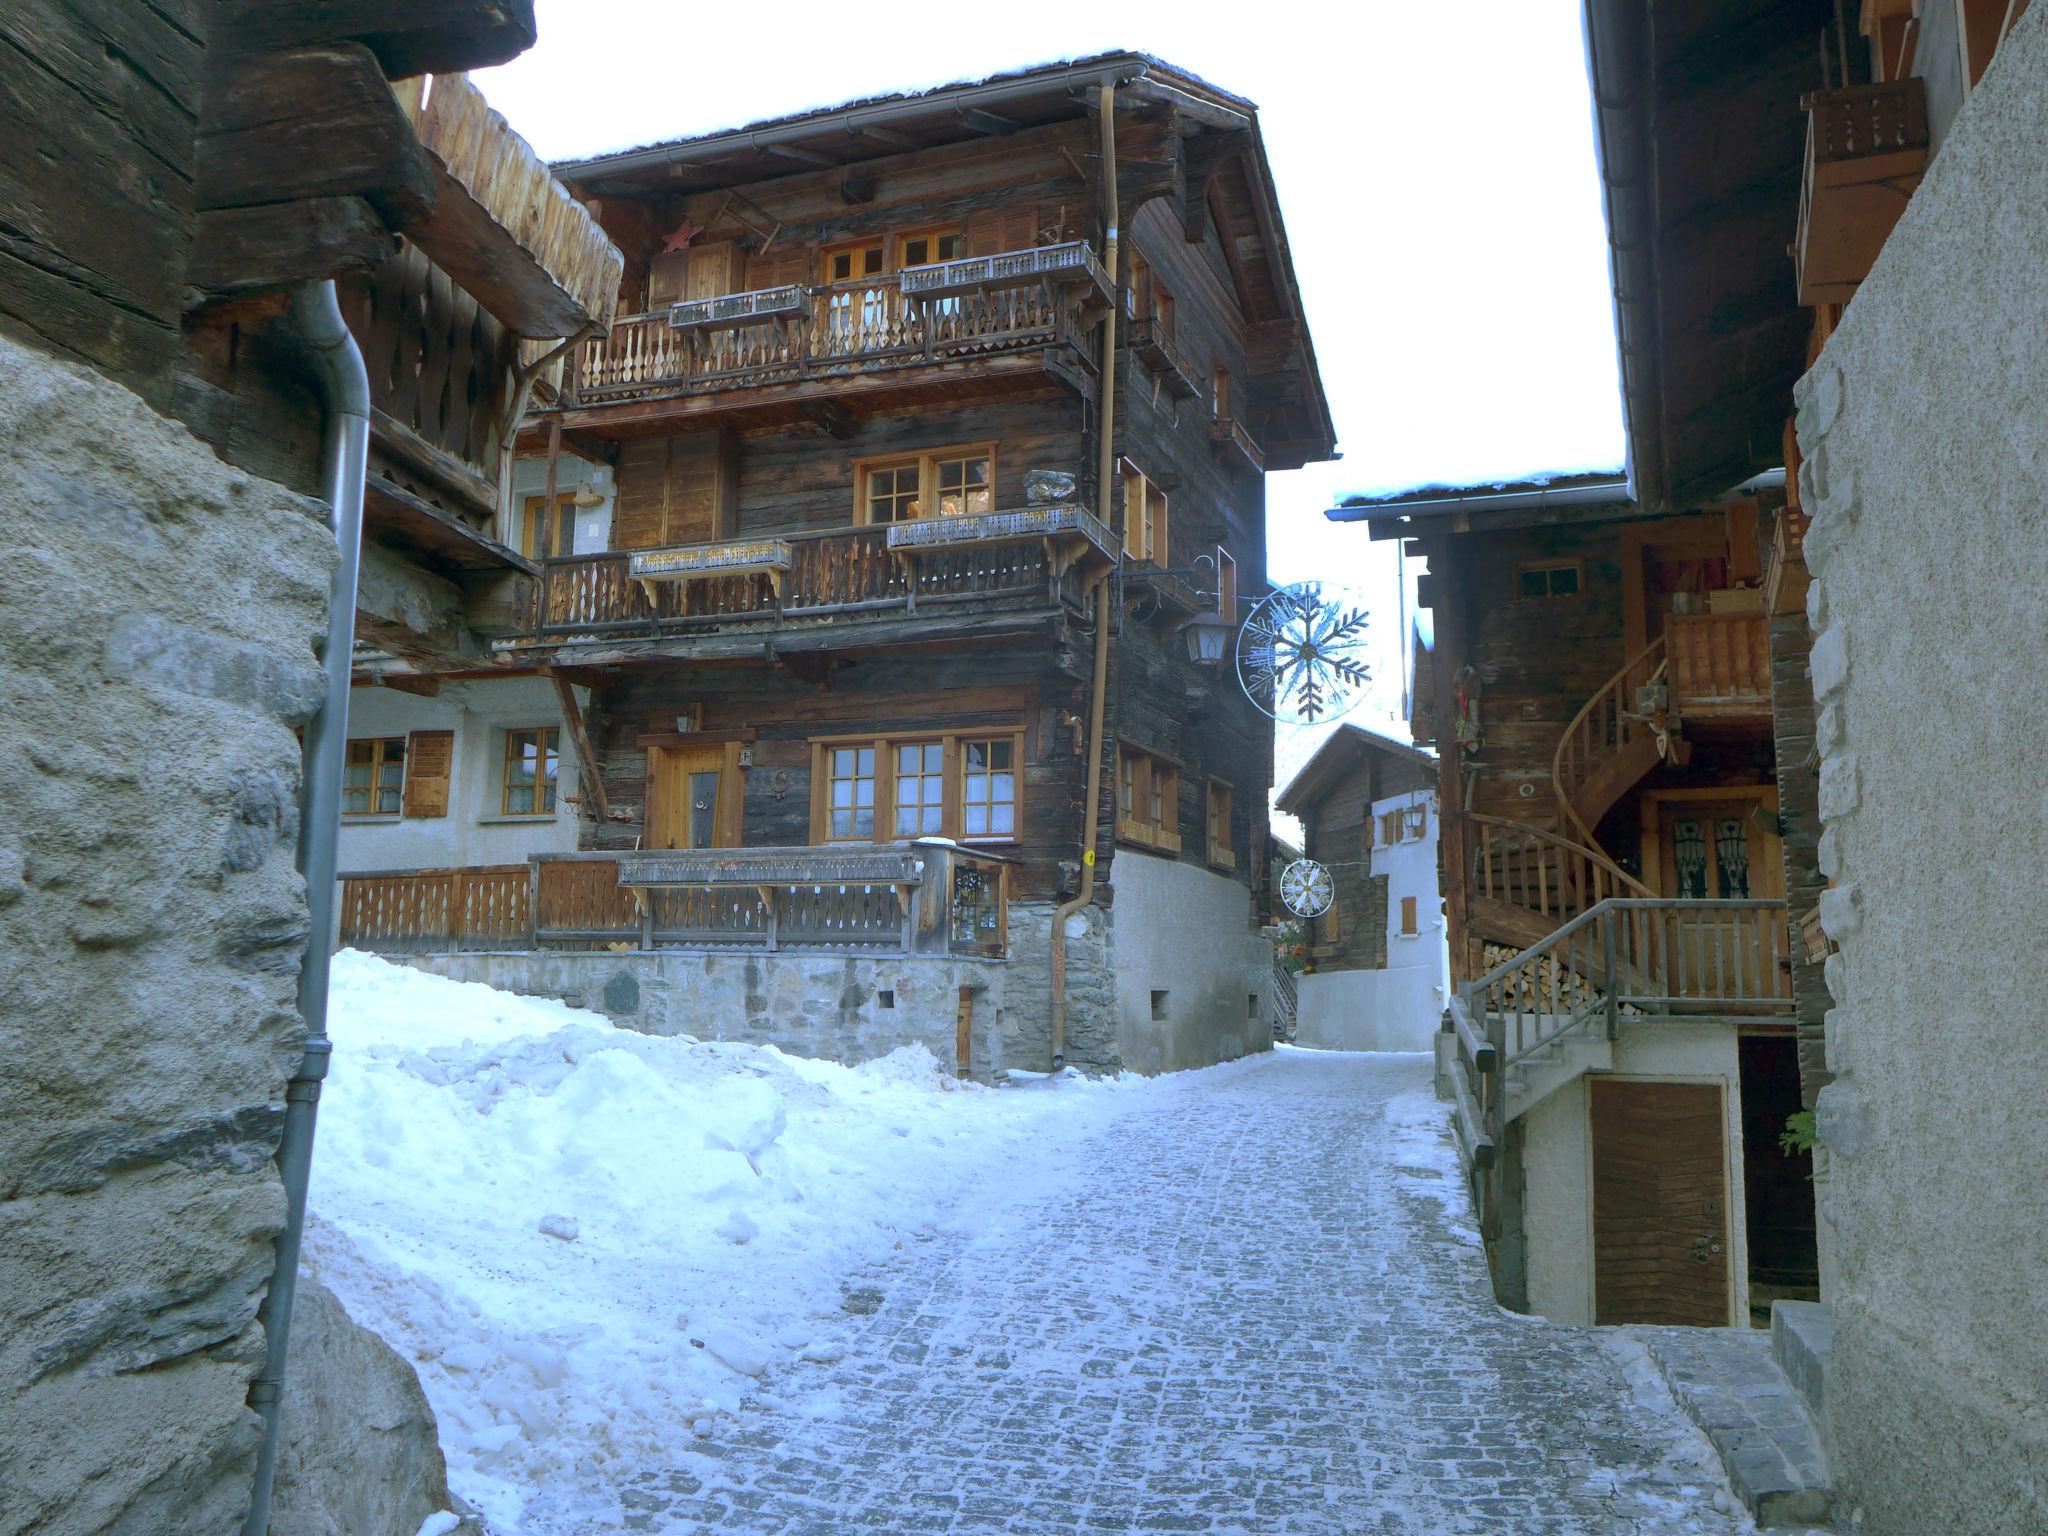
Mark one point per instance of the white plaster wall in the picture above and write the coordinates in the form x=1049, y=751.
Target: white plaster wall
x=1392, y=1010
x=593, y=524
x=1423, y=956
x=1186, y=932
x=1557, y=1165
x=472, y=834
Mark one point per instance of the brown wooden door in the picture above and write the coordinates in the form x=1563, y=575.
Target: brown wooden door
x=1721, y=850
x=693, y=797
x=1660, y=1203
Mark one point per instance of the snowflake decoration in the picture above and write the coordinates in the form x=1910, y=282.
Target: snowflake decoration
x=1307, y=889
x=1301, y=655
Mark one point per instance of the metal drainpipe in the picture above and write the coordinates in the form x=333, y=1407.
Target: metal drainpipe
x=344, y=460
x=1091, y=807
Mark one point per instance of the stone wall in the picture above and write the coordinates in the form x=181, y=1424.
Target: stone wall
x=158, y=612
x=1926, y=470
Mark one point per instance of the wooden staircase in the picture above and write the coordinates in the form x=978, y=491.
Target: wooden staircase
x=1608, y=746
x=1526, y=881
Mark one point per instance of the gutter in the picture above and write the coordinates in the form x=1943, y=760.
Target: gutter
x=344, y=461
x=1105, y=475
x=1612, y=491
x=1075, y=79
x=1616, y=58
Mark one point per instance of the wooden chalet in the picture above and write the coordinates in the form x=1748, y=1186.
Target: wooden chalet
x=1599, y=690
x=906, y=401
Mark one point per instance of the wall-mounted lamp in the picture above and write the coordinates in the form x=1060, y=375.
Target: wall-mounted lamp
x=1207, y=637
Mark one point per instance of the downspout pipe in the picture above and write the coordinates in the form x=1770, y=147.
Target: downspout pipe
x=1105, y=476
x=344, y=461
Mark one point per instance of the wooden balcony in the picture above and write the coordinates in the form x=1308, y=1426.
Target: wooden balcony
x=1720, y=665
x=1866, y=147
x=923, y=898
x=1033, y=559
x=1153, y=345
x=982, y=307
x=1235, y=445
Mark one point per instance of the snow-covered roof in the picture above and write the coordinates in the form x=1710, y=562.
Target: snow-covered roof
x=1345, y=744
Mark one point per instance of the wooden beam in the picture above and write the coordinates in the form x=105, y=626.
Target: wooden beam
x=409, y=37
x=586, y=759
x=401, y=442
x=241, y=251
x=307, y=123
x=424, y=687
x=888, y=136
x=834, y=418
x=800, y=155
x=986, y=122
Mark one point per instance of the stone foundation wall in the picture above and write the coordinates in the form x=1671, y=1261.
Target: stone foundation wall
x=1927, y=475
x=158, y=613
x=1192, y=976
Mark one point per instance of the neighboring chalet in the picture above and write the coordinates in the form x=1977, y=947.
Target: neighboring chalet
x=1598, y=689
x=909, y=405
x=1375, y=978
x=1851, y=286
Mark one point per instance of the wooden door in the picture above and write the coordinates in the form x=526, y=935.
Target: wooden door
x=1660, y=1203
x=1721, y=850
x=549, y=536
x=693, y=797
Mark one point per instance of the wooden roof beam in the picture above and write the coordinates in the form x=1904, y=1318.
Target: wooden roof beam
x=409, y=37
x=801, y=155
x=983, y=121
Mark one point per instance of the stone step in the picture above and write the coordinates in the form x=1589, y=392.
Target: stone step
x=1803, y=1342
x=1728, y=1384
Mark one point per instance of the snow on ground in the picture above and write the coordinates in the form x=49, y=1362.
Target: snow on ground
x=590, y=1240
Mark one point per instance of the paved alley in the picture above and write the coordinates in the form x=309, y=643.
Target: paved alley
x=1260, y=1310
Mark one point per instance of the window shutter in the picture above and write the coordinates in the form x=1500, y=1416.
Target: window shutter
x=429, y=764
x=667, y=275
x=779, y=268
x=992, y=231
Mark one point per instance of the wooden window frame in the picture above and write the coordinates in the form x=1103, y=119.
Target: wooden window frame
x=1529, y=567
x=1219, y=391
x=1144, y=778
x=378, y=762
x=552, y=782
x=1220, y=850
x=927, y=462
x=851, y=246
x=1140, y=493
x=918, y=743
x=1226, y=585
x=953, y=784
x=564, y=523
x=1411, y=921
x=933, y=233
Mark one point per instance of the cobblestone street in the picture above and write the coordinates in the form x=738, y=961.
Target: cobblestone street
x=1252, y=1305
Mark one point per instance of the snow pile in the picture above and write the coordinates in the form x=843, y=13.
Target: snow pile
x=591, y=1240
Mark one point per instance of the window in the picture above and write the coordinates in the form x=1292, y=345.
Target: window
x=1148, y=800
x=1415, y=823
x=373, y=778
x=920, y=788
x=962, y=787
x=1145, y=518
x=1403, y=824
x=1138, y=296
x=988, y=788
x=927, y=246
x=1226, y=585
x=549, y=536
x=954, y=481
x=1221, y=853
x=531, y=760
x=1547, y=578
x=1159, y=1013
x=1219, y=392
x=846, y=262
x=850, y=795
x=1408, y=919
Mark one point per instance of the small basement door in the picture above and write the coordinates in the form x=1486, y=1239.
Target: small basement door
x=1660, y=1203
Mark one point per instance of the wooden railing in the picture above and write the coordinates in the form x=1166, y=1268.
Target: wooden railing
x=1540, y=871
x=866, y=323
x=1720, y=663
x=436, y=910
x=914, y=898
x=836, y=573
x=1606, y=732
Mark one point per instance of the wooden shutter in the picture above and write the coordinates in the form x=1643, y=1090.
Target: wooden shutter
x=714, y=270
x=993, y=231
x=668, y=276
x=779, y=268
x=429, y=765
x=675, y=490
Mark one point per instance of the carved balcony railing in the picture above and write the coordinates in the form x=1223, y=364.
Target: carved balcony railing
x=1866, y=147
x=1035, y=557
x=981, y=306
x=1720, y=664
x=922, y=898
x=1155, y=347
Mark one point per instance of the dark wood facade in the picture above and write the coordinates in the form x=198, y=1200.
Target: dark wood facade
x=840, y=464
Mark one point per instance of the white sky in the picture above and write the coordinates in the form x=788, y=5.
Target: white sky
x=1434, y=165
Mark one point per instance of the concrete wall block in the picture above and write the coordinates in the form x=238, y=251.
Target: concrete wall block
x=1841, y=911
x=1834, y=519
x=1835, y=970
x=1829, y=662
x=1816, y=605
x=1828, y=853
x=1817, y=399
x=1830, y=735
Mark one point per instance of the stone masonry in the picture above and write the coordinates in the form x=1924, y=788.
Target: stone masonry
x=158, y=614
x=1927, y=474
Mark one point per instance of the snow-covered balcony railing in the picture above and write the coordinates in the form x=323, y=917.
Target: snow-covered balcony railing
x=924, y=898
x=981, y=306
x=1019, y=559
